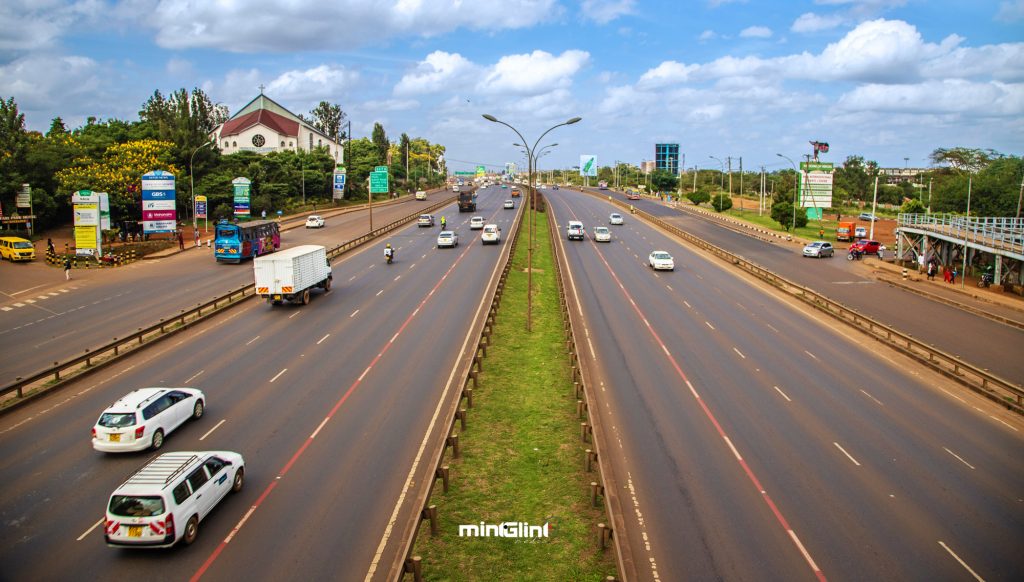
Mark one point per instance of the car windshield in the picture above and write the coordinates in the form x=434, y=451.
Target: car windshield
x=136, y=506
x=22, y=245
x=616, y=216
x=117, y=419
x=662, y=256
x=424, y=217
x=601, y=230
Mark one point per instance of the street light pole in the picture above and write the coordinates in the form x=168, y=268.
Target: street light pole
x=192, y=186
x=529, y=208
x=722, y=174
x=795, y=171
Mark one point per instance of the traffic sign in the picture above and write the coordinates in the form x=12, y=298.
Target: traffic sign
x=378, y=182
x=381, y=169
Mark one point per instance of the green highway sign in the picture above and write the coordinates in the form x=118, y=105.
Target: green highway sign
x=381, y=169
x=465, y=173
x=378, y=182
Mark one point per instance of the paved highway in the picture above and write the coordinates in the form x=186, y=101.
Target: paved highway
x=59, y=319
x=752, y=440
x=942, y=325
x=328, y=403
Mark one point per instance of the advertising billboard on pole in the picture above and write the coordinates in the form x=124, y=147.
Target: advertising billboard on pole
x=588, y=165
x=159, y=213
x=242, y=187
x=86, y=206
x=815, y=187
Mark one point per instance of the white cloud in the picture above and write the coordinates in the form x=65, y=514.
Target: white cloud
x=69, y=85
x=993, y=99
x=810, y=22
x=604, y=11
x=436, y=72
x=179, y=67
x=322, y=82
x=707, y=35
x=667, y=73
x=1011, y=11
x=537, y=72
x=270, y=25
x=756, y=32
x=30, y=25
x=717, y=3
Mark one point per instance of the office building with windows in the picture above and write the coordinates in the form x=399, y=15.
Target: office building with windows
x=666, y=157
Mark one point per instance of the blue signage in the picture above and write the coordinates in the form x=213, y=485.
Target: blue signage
x=159, y=212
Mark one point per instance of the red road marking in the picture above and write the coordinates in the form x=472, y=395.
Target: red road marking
x=284, y=470
x=714, y=421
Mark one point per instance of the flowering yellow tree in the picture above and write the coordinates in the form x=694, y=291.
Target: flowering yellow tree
x=119, y=173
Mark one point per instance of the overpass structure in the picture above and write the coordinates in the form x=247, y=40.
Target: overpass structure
x=996, y=242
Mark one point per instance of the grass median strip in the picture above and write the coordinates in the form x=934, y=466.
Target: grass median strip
x=522, y=458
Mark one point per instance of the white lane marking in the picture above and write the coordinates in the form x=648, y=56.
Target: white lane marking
x=350, y=278
x=279, y=374
x=25, y=290
x=234, y=531
x=810, y=354
x=322, y=339
x=873, y=398
x=687, y=303
x=412, y=266
x=194, y=377
x=669, y=287
x=709, y=325
x=7, y=308
x=803, y=550
x=734, y=451
x=1008, y=425
x=398, y=277
x=739, y=352
x=779, y=390
x=215, y=427
x=317, y=431
x=102, y=519
x=962, y=563
x=354, y=313
x=959, y=458
x=19, y=305
x=393, y=338
x=294, y=314
x=378, y=293
x=252, y=340
x=365, y=372
x=772, y=328
x=593, y=354
x=848, y=455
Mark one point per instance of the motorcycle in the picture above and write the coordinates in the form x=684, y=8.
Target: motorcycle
x=854, y=255
x=986, y=279
x=389, y=256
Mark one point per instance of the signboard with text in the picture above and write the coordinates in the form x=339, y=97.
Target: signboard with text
x=378, y=182
x=200, y=206
x=242, y=188
x=24, y=197
x=815, y=186
x=339, y=182
x=159, y=213
x=86, y=207
x=588, y=165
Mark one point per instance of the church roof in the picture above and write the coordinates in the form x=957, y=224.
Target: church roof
x=242, y=121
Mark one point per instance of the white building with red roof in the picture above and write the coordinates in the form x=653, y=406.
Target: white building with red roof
x=265, y=126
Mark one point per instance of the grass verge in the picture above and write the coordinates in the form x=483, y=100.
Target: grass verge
x=522, y=458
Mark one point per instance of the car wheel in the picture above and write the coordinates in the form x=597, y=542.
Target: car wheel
x=191, y=531
x=327, y=285
x=305, y=297
x=197, y=410
x=158, y=439
x=236, y=484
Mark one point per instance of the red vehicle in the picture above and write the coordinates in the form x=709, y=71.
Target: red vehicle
x=865, y=246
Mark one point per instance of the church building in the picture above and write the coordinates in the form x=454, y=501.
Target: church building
x=265, y=126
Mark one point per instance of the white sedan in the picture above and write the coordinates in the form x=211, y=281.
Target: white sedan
x=661, y=261
x=602, y=234
x=447, y=238
x=476, y=223
x=315, y=221
x=142, y=418
x=421, y=195
x=509, y=203
x=615, y=218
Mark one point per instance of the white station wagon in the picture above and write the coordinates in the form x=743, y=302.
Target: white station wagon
x=143, y=418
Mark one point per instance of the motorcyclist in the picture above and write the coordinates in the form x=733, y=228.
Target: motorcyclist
x=444, y=222
x=389, y=253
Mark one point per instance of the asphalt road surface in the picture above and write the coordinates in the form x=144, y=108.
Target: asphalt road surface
x=941, y=325
x=754, y=441
x=59, y=320
x=328, y=403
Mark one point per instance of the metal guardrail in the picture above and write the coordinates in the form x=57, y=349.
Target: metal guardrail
x=471, y=363
x=608, y=488
x=978, y=379
x=95, y=358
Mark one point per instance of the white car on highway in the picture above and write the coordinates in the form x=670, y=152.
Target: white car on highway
x=510, y=203
x=425, y=220
x=491, y=234
x=143, y=418
x=476, y=223
x=421, y=195
x=602, y=234
x=661, y=261
x=447, y=238
x=315, y=221
x=615, y=218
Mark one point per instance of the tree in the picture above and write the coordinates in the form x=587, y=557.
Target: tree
x=13, y=141
x=721, y=203
x=328, y=119
x=664, y=181
x=960, y=158
x=404, y=146
x=700, y=196
x=57, y=128
x=912, y=206
x=380, y=142
x=782, y=212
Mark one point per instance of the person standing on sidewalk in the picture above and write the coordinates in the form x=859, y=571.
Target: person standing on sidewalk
x=931, y=270
x=67, y=268
x=196, y=233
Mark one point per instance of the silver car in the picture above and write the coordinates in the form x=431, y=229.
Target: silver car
x=602, y=234
x=447, y=238
x=615, y=218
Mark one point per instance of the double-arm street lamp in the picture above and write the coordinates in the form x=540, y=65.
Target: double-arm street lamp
x=795, y=172
x=529, y=208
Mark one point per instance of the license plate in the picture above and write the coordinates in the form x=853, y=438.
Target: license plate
x=115, y=438
x=277, y=297
x=135, y=531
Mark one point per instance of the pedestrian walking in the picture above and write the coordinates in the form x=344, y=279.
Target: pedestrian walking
x=67, y=268
x=181, y=242
x=49, y=246
x=952, y=276
x=931, y=270
x=196, y=233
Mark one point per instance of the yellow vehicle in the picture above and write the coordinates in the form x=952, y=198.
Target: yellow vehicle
x=515, y=192
x=13, y=248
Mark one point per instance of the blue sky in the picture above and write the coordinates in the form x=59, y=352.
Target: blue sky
x=883, y=79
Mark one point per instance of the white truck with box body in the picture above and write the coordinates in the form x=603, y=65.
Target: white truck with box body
x=289, y=275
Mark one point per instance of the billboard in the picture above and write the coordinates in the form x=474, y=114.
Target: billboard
x=815, y=186
x=200, y=206
x=588, y=165
x=242, y=188
x=86, y=206
x=339, y=183
x=158, y=203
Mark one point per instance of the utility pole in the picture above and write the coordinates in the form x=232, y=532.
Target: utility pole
x=1019, y=196
x=729, y=161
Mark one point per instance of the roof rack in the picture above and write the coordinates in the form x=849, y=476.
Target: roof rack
x=162, y=470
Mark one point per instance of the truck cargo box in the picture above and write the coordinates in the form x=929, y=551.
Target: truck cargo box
x=290, y=274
